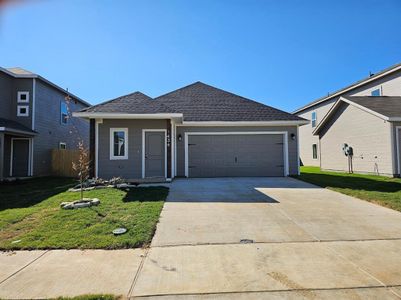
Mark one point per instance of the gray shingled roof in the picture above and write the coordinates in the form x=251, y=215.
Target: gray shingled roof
x=389, y=106
x=10, y=124
x=197, y=102
x=134, y=103
x=202, y=102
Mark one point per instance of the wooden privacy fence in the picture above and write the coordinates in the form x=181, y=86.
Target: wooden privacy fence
x=62, y=162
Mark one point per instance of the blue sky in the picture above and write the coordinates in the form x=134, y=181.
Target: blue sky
x=282, y=53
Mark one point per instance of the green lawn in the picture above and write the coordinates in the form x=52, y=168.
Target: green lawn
x=30, y=217
x=378, y=189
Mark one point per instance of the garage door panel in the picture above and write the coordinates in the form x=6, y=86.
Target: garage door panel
x=235, y=155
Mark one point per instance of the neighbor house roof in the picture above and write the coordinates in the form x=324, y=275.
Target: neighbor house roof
x=387, y=108
x=14, y=126
x=197, y=102
x=359, y=83
x=17, y=72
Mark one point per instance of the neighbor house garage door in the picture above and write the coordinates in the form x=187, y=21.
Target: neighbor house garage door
x=235, y=155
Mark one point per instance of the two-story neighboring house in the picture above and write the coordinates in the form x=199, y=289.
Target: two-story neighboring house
x=35, y=117
x=365, y=116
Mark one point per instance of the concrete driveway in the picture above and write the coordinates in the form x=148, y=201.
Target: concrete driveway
x=271, y=237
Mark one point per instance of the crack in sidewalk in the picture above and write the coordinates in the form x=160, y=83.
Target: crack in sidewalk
x=27, y=265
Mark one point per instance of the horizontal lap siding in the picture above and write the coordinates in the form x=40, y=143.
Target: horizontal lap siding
x=389, y=85
x=130, y=168
x=368, y=135
x=292, y=144
x=307, y=139
x=50, y=130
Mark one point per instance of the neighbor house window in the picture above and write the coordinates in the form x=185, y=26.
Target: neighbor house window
x=62, y=146
x=63, y=113
x=23, y=97
x=314, y=151
x=118, y=143
x=375, y=92
x=23, y=111
x=313, y=119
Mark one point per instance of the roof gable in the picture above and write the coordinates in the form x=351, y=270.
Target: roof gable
x=387, y=108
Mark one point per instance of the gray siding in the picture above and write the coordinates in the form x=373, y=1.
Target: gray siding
x=292, y=144
x=368, y=135
x=6, y=92
x=130, y=168
x=389, y=85
x=51, y=130
x=9, y=87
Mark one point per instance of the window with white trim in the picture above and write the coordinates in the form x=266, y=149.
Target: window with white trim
x=22, y=111
x=23, y=97
x=313, y=119
x=63, y=113
x=314, y=151
x=375, y=93
x=62, y=146
x=118, y=143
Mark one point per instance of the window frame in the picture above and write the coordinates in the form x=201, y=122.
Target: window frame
x=112, y=131
x=61, y=113
x=378, y=89
x=313, y=120
x=19, y=94
x=64, y=144
x=314, y=152
x=19, y=114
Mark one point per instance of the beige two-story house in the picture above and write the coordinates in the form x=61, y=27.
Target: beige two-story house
x=365, y=116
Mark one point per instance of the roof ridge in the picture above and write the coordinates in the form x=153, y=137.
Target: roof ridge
x=114, y=99
x=351, y=86
x=179, y=89
x=242, y=97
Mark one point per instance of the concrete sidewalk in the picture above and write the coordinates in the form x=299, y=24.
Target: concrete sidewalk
x=50, y=274
x=308, y=270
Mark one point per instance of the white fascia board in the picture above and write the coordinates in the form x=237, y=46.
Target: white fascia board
x=46, y=81
x=126, y=116
x=345, y=100
x=365, y=109
x=246, y=123
x=6, y=129
x=350, y=88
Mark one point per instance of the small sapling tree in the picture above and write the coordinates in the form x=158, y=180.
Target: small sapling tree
x=82, y=166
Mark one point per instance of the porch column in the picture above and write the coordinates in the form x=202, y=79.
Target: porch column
x=168, y=141
x=1, y=155
x=92, y=142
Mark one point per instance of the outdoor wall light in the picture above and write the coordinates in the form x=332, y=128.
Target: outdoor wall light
x=293, y=136
x=179, y=137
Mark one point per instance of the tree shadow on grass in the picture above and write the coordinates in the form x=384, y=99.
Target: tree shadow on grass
x=354, y=182
x=145, y=194
x=26, y=193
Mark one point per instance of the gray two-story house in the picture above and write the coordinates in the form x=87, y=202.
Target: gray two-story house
x=35, y=117
x=365, y=116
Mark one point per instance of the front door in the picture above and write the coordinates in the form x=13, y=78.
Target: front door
x=155, y=154
x=20, y=157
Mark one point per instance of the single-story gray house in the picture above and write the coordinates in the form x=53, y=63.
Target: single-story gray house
x=195, y=131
